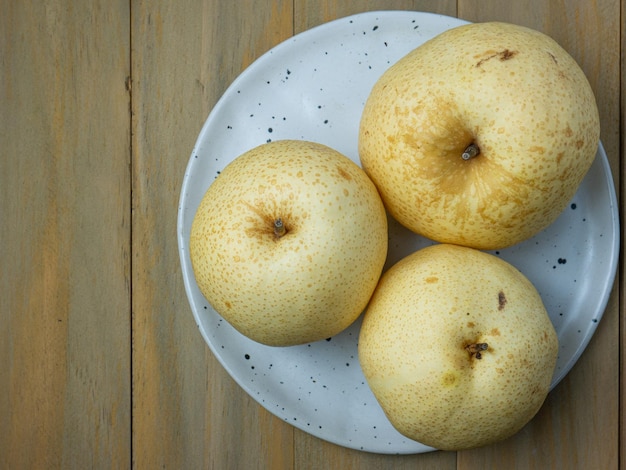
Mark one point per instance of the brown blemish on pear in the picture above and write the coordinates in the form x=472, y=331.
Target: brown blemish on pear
x=501, y=300
x=449, y=379
x=553, y=57
x=344, y=174
x=503, y=55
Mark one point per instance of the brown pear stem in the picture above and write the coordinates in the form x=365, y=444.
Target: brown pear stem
x=279, y=228
x=471, y=151
x=475, y=349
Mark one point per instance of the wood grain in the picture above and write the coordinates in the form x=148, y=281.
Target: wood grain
x=65, y=232
x=102, y=363
x=576, y=424
x=310, y=13
x=311, y=452
x=187, y=412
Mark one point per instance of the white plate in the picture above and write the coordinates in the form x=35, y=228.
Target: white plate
x=313, y=86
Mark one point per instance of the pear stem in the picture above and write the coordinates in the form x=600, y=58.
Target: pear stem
x=279, y=228
x=475, y=349
x=471, y=151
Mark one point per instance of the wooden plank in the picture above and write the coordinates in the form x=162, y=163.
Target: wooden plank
x=64, y=226
x=577, y=424
x=309, y=13
x=188, y=413
x=311, y=452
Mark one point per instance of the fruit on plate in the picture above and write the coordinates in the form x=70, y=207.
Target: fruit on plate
x=457, y=347
x=481, y=135
x=289, y=242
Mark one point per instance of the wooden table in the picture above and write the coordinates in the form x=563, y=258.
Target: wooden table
x=102, y=365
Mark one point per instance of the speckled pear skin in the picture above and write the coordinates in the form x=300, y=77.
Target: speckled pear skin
x=316, y=279
x=415, y=347
x=512, y=91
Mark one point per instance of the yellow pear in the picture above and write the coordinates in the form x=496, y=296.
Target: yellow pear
x=289, y=242
x=480, y=136
x=457, y=347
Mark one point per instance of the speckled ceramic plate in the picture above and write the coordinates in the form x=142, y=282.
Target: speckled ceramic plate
x=313, y=86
